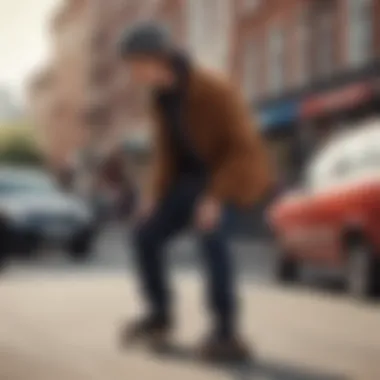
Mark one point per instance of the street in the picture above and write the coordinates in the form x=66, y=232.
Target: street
x=113, y=253
x=60, y=321
x=261, y=116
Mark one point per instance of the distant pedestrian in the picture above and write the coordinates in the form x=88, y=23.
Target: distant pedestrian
x=208, y=156
x=116, y=179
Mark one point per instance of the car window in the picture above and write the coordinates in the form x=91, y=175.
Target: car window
x=21, y=184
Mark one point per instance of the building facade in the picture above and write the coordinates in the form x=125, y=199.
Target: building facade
x=210, y=30
x=58, y=92
x=307, y=67
x=41, y=109
x=86, y=98
x=83, y=97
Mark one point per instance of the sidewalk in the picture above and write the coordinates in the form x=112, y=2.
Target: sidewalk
x=65, y=329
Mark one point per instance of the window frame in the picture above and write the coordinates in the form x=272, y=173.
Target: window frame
x=303, y=39
x=248, y=6
x=323, y=65
x=250, y=67
x=356, y=55
x=276, y=59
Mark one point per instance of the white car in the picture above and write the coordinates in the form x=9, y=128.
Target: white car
x=331, y=220
x=34, y=210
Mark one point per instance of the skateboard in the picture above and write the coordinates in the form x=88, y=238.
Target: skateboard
x=178, y=352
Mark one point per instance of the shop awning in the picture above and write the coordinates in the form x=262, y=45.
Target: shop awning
x=337, y=100
x=278, y=115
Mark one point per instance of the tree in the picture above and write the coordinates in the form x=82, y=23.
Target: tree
x=18, y=146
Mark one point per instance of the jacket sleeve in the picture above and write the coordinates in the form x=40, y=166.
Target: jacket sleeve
x=161, y=170
x=243, y=174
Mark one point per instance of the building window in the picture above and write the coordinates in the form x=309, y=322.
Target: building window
x=276, y=60
x=302, y=46
x=120, y=5
x=100, y=74
x=99, y=41
x=324, y=40
x=250, y=68
x=325, y=45
x=97, y=116
x=196, y=17
x=360, y=31
x=249, y=5
x=209, y=31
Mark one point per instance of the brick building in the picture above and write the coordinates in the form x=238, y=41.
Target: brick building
x=210, y=28
x=85, y=99
x=122, y=107
x=41, y=98
x=307, y=67
x=58, y=92
x=82, y=98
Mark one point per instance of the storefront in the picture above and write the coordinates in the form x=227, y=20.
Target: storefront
x=336, y=101
x=279, y=117
x=324, y=113
x=278, y=123
x=297, y=123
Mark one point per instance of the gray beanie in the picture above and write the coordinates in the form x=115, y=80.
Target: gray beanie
x=147, y=39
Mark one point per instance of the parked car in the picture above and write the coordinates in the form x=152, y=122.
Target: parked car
x=106, y=180
x=332, y=220
x=34, y=210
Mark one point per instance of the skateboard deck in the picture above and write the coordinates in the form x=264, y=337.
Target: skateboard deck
x=178, y=352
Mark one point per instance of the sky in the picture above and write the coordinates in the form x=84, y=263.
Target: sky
x=23, y=40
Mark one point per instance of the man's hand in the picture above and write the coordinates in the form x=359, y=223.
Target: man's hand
x=208, y=214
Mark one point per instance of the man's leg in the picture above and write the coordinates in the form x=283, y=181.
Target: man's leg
x=224, y=342
x=149, y=243
x=171, y=215
x=221, y=287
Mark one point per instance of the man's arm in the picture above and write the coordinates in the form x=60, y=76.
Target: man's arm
x=162, y=166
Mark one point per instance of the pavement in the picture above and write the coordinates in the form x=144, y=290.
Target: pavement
x=113, y=253
x=60, y=322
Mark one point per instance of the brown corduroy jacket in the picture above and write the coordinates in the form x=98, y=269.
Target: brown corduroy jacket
x=221, y=130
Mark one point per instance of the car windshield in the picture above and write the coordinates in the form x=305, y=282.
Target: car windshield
x=28, y=184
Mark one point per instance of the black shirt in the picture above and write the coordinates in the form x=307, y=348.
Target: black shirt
x=171, y=103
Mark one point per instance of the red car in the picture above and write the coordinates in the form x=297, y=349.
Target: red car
x=333, y=219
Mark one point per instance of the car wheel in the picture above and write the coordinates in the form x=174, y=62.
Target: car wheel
x=5, y=239
x=287, y=270
x=362, y=271
x=80, y=248
x=27, y=245
x=3, y=260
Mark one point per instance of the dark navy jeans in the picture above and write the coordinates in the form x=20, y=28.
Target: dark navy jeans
x=172, y=215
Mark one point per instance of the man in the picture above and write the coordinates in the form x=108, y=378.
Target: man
x=207, y=157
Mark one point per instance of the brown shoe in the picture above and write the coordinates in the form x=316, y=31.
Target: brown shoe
x=155, y=332
x=218, y=349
